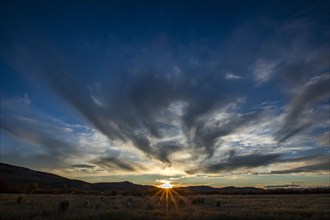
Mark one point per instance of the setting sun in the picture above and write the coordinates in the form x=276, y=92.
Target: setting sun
x=166, y=185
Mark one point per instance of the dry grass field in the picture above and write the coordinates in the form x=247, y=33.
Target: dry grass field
x=312, y=206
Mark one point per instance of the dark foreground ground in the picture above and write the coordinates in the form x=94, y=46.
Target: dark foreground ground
x=15, y=206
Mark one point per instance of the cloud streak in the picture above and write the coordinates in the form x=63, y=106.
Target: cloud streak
x=316, y=89
x=234, y=162
x=314, y=168
x=110, y=163
x=48, y=140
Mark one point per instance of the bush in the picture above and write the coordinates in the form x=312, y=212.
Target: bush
x=128, y=203
x=85, y=205
x=97, y=206
x=19, y=200
x=149, y=206
x=198, y=201
x=63, y=206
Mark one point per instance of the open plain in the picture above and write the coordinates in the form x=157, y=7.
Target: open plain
x=31, y=206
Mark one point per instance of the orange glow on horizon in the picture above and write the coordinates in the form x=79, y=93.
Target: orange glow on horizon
x=166, y=185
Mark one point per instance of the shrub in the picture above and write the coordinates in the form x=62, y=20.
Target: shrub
x=198, y=201
x=149, y=206
x=63, y=206
x=114, y=192
x=97, y=206
x=181, y=202
x=129, y=203
x=85, y=205
x=19, y=200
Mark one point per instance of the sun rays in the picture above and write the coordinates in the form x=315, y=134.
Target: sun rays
x=167, y=196
x=167, y=193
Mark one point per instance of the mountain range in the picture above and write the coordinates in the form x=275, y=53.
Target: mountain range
x=18, y=178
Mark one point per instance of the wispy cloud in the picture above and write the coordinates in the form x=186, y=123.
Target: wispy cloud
x=48, y=140
x=316, y=89
x=87, y=166
x=234, y=162
x=264, y=69
x=111, y=163
x=314, y=168
x=232, y=76
x=25, y=100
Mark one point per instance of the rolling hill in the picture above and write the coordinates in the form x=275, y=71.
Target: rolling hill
x=16, y=179
x=20, y=176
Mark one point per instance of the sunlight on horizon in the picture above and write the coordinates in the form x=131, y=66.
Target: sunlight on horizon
x=166, y=185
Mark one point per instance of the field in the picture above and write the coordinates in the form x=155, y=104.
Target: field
x=31, y=206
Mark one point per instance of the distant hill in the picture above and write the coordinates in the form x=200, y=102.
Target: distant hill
x=199, y=189
x=20, y=176
x=17, y=179
x=240, y=189
x=224, y=190
x=120, y=186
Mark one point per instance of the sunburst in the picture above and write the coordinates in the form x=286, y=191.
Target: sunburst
x=168, y=193
x=166, y=185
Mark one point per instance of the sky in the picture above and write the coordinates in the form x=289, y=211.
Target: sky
x=219, y=93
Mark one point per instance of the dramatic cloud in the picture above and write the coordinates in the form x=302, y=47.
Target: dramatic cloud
x=316, y=89
x=314, y=168
x=48, y=140
x=170, y=95
x=137, y=105
x=111, y=163
x=246, y=161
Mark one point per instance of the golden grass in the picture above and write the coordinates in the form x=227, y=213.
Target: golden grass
x=155, y=207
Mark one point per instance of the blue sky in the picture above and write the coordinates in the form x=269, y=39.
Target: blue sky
x=194, y=92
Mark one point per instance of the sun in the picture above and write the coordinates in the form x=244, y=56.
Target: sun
x=168, y=193
x=166, y=185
